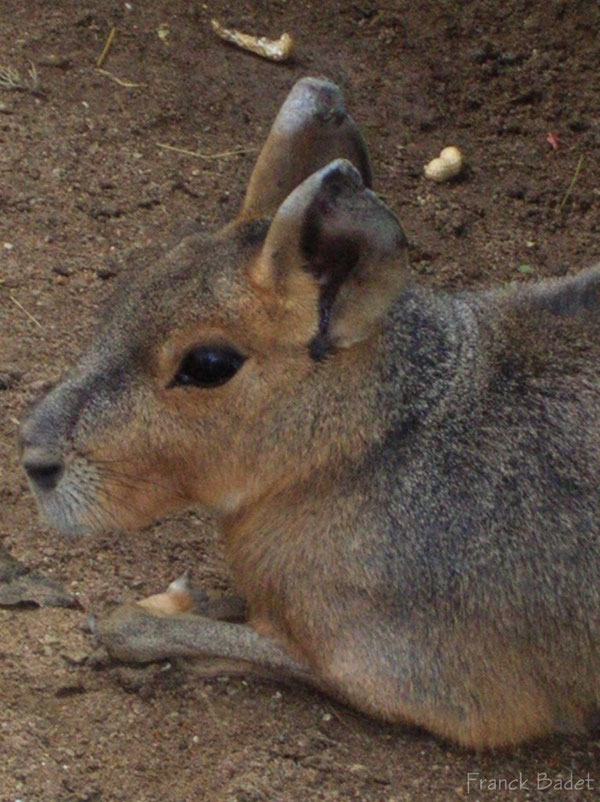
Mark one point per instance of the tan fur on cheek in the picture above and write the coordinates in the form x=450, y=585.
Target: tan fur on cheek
x=135, y=493
x=143, y=479
x=163, y=468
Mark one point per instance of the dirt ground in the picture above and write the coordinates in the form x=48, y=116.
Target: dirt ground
x=85, y=181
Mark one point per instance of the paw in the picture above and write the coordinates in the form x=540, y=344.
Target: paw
x=142, y=632
x=181, y=597
x=164, y=625
x=136, y=632
x=178, y=598
x=132, y=631
x=128, y=634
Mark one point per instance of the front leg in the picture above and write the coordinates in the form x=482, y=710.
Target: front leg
x=156, y=628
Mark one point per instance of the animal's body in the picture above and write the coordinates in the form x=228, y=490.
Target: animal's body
x=406, y=480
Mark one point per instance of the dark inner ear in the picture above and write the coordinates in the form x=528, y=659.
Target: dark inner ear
x=330, y=258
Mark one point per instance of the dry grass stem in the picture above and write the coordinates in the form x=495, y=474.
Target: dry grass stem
x=11, y=80
x=107, y=45
x=22, y=308
x=572, y=184
x=208, y=156
x=120, y=81
x=34, y=79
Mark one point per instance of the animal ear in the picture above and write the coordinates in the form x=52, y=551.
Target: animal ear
x=335, y=236
x=311, y=129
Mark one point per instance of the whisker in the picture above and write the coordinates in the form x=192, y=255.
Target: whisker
x=135, y=482
x=90, y=505
x=124, y=502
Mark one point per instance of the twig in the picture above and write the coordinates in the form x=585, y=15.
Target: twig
x=22, y=308
x=224, y=155
x=572, y=184
x=107, y=45
x=127, y=84
x=273, y=49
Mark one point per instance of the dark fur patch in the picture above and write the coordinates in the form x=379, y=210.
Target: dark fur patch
x=320, y=347
x=330, y=259
x=254, y=232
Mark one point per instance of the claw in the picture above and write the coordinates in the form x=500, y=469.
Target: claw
x=180, y=585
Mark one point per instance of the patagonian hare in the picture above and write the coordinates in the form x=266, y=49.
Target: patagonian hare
x=405, y=480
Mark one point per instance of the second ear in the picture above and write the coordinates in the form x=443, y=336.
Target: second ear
x=312, y=129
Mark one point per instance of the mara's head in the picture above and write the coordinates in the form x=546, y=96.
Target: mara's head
x=232, y=365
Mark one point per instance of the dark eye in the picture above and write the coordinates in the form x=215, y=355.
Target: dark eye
x=208, y=366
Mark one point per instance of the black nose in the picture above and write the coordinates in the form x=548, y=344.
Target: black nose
x=44, y=473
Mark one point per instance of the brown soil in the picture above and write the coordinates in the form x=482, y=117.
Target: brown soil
x=84, y=182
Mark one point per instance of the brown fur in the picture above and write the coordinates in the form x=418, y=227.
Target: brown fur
x=406, y=481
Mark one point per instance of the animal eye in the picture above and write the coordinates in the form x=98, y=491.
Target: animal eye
x=208, y=366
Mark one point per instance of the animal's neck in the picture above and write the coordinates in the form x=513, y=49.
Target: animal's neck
x=427, y=356
x=432, y=350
